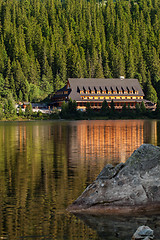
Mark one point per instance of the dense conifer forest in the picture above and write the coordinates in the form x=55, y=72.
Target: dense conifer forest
x=43, y=42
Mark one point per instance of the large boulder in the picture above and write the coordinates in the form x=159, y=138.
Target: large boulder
x=133, y=186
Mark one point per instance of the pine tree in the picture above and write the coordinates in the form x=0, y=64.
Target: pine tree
x=99, y=69
x=137, y=109
x=20, y=111
x=105, y=108
x=142, y=108
x=1, y=112
x=2, y=83
x=130, y=71
x=88, y=109
x=150, y=91
x=124, y=110
x=112, y=107
x=20, y=96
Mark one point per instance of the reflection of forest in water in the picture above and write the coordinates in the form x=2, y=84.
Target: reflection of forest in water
x=44, y=166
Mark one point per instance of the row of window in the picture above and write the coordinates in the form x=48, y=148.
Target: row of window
x=108, y=91
x=83, y=104
x=61, y=93
x=102, y=98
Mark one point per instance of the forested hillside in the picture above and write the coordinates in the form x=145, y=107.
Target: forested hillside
x=43, y=42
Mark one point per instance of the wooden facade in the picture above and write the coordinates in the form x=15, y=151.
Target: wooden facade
x=119, y=90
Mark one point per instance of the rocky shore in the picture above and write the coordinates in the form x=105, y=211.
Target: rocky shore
x=133, y=187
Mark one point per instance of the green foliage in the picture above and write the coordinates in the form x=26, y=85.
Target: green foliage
x=28, y=110
x=6, y=110
x=69, y=109
x=157, y=111
x=1, y=84
x=9, y=106
x=34, y=93
x=1, y=112
x=151, y=92
x=105, y=109
x=158, y=106
x=124, y=110
x=20, y=96
x=142, y=108
x=112, y=107
x=74, y=106
x=89, y=110
x=138, y=111
x=39, y=114
x=20, y=111
x=44, y=43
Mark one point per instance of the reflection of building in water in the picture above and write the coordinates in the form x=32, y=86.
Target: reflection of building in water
x=150, y=132
x=21, y=137
x=106, y=141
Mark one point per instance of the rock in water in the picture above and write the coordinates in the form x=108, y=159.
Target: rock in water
x=143, y=233
x=133, y=186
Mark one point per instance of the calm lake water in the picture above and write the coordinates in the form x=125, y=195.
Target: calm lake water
x=45, y=166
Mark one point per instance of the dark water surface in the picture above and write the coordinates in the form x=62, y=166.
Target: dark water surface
x=46, y=165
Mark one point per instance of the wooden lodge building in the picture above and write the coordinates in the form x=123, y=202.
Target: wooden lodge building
x=95, y=91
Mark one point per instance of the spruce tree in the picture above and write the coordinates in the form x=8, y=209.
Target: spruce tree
x=104, y=109
x=20, y=113
x=150, y=91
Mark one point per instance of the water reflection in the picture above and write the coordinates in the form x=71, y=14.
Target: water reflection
x=95, y=143
x=120, y=227
x=111, y=140
x=44, y=166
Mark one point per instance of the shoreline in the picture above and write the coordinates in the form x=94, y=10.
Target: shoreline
x=146, y=209
x=71, y=119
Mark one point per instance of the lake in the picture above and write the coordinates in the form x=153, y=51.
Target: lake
x=45, y=166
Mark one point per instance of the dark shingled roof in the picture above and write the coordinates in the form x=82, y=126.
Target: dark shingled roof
x=62, y=89
x=60, y=93
x=109, y=84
